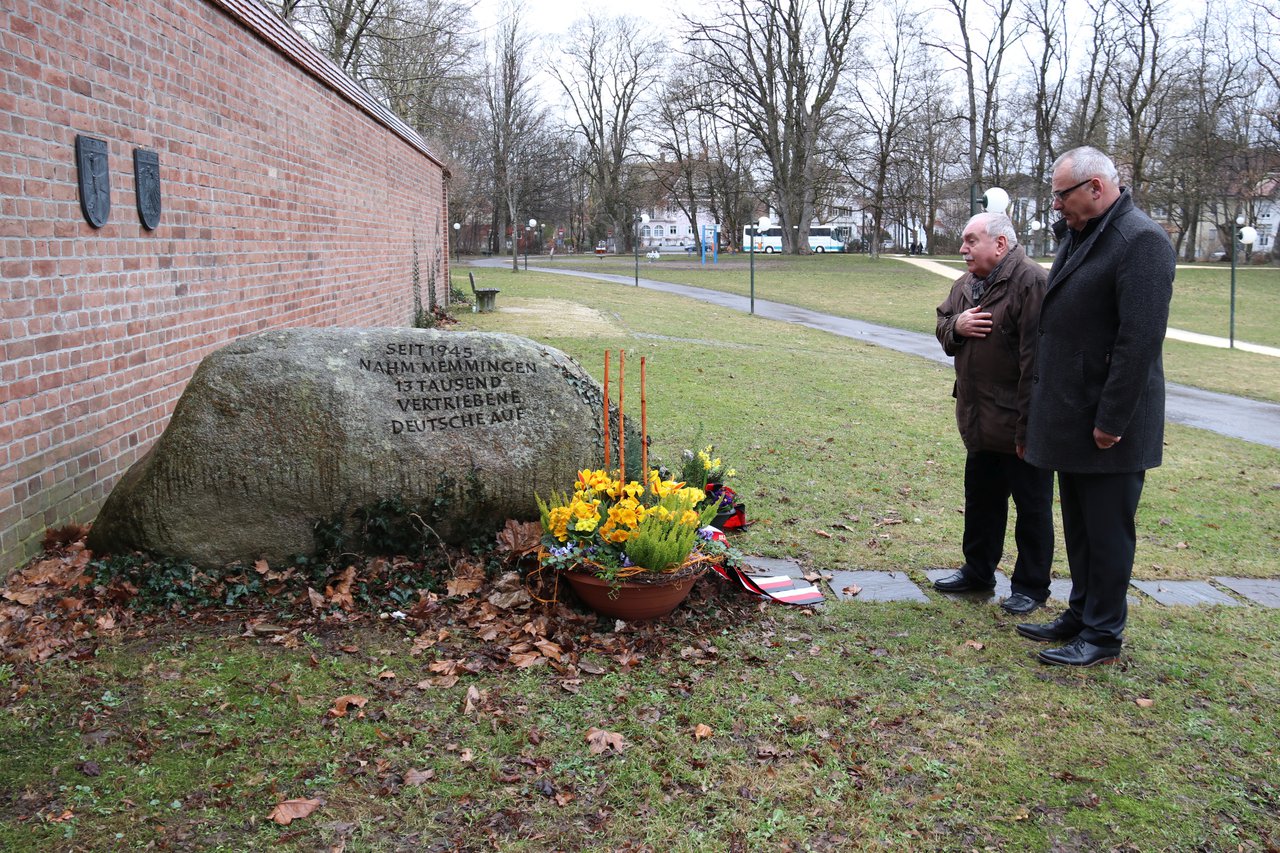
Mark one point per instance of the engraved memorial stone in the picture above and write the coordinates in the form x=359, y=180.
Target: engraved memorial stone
x=286, y=428
x=94, y=179
x=146, y=186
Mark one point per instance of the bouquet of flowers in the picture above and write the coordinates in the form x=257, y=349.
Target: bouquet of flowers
x=706, y=469
x=620, y=529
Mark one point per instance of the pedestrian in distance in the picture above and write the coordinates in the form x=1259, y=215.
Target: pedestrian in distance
x=1097, y=398
x=988, y=323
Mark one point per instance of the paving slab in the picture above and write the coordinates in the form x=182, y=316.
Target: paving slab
x=1192, y=593
x=1059, y=588
x=876, y=586
x=772, y=566
x=1257, y=590
x=1001, y=591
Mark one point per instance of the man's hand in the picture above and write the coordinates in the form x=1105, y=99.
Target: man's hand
x=974, y=323
x=1104, y=440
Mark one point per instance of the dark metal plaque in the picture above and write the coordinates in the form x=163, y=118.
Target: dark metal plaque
x=146, y=186
x=95, y=179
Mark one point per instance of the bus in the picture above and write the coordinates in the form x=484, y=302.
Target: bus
x=822, y=239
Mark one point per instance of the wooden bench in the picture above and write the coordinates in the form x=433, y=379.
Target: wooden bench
x=486, y=297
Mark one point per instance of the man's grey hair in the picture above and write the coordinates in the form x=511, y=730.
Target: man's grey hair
x=1088, y=162
x=997, y=225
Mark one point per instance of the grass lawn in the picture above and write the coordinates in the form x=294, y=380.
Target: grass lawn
x=861, y=727
x=894, y=293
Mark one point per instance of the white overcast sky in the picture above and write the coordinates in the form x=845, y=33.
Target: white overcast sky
x=557, y=16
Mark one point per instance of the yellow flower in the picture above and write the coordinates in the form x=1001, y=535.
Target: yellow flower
x=559, y=520
x=584, y=510
x=690, y=497
x=616, y=535
x=660, y=487
x=690, y=518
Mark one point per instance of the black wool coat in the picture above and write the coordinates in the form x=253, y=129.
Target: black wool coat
x=1098, y=358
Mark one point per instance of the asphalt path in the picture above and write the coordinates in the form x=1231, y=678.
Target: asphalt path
x=1238, y=417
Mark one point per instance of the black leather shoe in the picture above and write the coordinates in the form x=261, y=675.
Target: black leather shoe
x=961, y=582
x=1059, y=630
x=1080, y=652
x=1020, y=604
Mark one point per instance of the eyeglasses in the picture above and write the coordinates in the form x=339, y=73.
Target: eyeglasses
x=1059, y=195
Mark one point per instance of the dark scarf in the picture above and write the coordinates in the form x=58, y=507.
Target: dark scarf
x=979, y=285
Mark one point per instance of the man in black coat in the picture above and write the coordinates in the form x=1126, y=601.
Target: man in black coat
x=1097, y=399
x=988, y=322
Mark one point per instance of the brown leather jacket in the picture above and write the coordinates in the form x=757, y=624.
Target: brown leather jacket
x=993, y=374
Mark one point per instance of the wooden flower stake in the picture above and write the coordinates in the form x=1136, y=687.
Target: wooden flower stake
x=622, y=436
x=606, y=410
x=622, y=427
x=644, y=431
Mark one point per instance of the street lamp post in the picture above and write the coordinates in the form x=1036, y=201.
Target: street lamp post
x=1035, y=226
x=756, y=227
x=533, y=223
x=1245, y=235
x=635, y=243
x=457, y=251
x=995, y=200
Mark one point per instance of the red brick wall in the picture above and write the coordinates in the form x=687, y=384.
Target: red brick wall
x=287, y=201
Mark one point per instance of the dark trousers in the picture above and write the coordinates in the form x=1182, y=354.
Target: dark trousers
x=990, y=479
x=1098, y=513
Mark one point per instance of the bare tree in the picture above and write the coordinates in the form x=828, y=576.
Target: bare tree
x=782, y=60
x=606, y=68
x=888, y=102
x=1266, y=38
x=513, y=119
x=935, y=156
x=1087, y=100
x=1142, y=60
x=987, y=29
x=1046, y=52
x=422, y=63
x=680, y=134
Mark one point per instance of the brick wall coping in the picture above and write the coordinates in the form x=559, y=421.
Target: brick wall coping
x=272, y=29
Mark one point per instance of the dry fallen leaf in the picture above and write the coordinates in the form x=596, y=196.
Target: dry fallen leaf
x=974, y=644
x=386, y=675
x=1144, y=702
x=467, y=578
x=474, y=698
x=702, y=731
x=342, y=703
x=852, y=590
x=290, y=810
x=600, y=741
x=339, y=592
x=415, y=778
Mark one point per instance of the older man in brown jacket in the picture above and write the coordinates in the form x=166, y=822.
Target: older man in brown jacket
x=988, y=322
